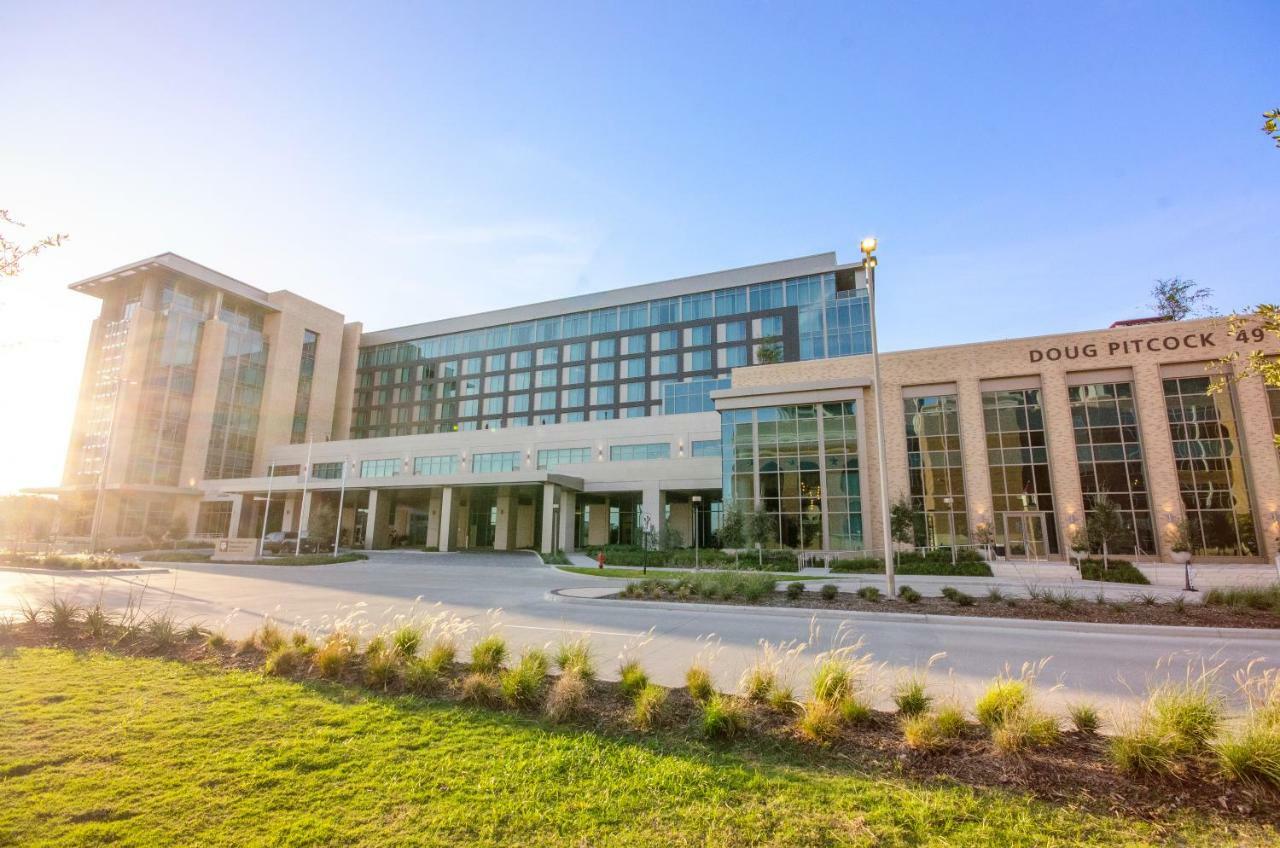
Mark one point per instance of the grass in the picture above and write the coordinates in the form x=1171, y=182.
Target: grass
x=913, y=566
x=488, y=655
x=65, y=562
x=1118, y=571
x=710, y=585
x=1245, y=597
x=303, y=559
x=105, y=749
x=632, y=574
x=575, y=658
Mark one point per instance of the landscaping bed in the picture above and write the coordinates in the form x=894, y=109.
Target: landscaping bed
x=66, y=562
x=1142, y=608
x=632, y=574
x=241, y=753
x=303, y=559
x=770, y=559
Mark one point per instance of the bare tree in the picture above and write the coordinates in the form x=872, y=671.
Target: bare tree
x=12, y=252
x=1176, y=298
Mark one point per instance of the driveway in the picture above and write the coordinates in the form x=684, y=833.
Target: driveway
x=1099, y=665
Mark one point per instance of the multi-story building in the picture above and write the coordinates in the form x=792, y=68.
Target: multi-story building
x=598, y=418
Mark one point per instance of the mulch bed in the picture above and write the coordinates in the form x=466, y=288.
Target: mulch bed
x=1082, y=607
x=1074, y=772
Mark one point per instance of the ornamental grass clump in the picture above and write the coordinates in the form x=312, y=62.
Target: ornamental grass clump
x=829, y=591
x=63, y=615
x=910, y=694
x=722, y=717
x=420, y=676
x=381, y=665
x=576, y=657
x=567, y=698
x=1085, y=718
x=334, y=655
x=819, y=721
x=406, y=640
x=284, y=661
x=632, y=678
x=930, y=731
x=1176, y=724
x=1008, y=712
x=698, y=681
x=650, y=707
x=870, y=593
x=794, y=590
x=481, y=689
x=522, y=684
x=488, y=654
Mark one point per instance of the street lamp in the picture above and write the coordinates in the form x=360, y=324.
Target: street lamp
x=696, y=499
x=868, y=247
x=951, y=523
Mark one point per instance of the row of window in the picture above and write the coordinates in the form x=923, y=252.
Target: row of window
x=502, y=461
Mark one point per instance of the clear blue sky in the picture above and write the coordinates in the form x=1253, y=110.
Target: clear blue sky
x=1027, y=170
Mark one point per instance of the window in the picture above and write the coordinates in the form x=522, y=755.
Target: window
x=633, y=392
x=544, y=378
x=633, y=367
x=522, y=421
x=602, y=395
x=541, y=420
x=693, y=395
x=698, y=360
x=1019, y=461
x=666, y=364
x=768, y=328
x=604, y=321
x=522, y=359
x=664, y=311
x=549, y=459
x=731, y=301
x=574, y=325
x=548, y=355
x=696, y=306
x=520, y=382
x=602, y=415
x=732, y=357
x=326, y=470
x=468, y=408
x=471, y=386
x=573, y=397
x=292, y=470
x=302, y=397
x=570, y=417
x=495, y=362
x=636, y=411
x=1211, y=470
x=573, y=374
x=697, y=336
x=666, y=340
x=706, y=447
x=435, y=465
x=935, y=470
x=549, y=329
x=544, y=400
x=495, y=385
x=603, y=372
x=634, y=344
x=604, y=348
x=518, y=403
x=634, y=316
x=493, y=406
x=575, y=352
x=766, y=296
x=495, y=463
x=1109, y=457
x=629, y=453
x=471, y=366
x=734, y=331
x=379, y=467
x=214, y=519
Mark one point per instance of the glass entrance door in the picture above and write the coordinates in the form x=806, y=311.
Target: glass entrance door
x=1025, y=536
x=482, y=518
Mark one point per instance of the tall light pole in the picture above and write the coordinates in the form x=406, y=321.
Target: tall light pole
x=306, y=479
x=342, y=495
x=696, y=500
x=868, y=248
x=266, y=512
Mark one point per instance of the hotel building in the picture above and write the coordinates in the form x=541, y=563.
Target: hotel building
x=595, y=418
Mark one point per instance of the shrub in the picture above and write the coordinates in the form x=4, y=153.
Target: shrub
x=522, y=685
x=957, y=597
x=758, y=681
x=950, y=719
x=929, y=731
x=441, y=653
x=633, y=678
x=567, y=697
x=870, y=593
x=994, y=595
x=1252, y=754
x=63, y=615
x=162, y=633
x=909, y=595
x=855, y=711
x=488, y=655
x=1004, y=697
x=722, y=717
x=858, y=565
x=267, y=637
x=833, y=680
x=381, y=665
x=1137, y=748
x=406, y=641
x=795, y=589
x=576, y=657
x=829, y=592
x=97, y=622
x=1084, y=718
x=910, y=696
x=650, y=707
x=301, y=641
x=1246, y=597
x=482, y=689
x=698, y=680
x=1025, y=728
x=1188, y=714
x=420, y=676
x=819, y=721
x=934, y=564
x=1120, y=571
x=284, y=661
x=335, y=652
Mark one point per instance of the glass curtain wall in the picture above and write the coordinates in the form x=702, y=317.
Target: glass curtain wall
x=236, y=409
x=1109, y=456
x=793, y=461
x=161, y=418
x=106, y=383
x=1211, y=470
x=935, y=466
x=1018, y=459
x=302, y=398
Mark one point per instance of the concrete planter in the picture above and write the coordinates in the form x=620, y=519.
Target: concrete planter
x=1180, y=557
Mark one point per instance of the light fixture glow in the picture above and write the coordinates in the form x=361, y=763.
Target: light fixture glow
x=868, y=245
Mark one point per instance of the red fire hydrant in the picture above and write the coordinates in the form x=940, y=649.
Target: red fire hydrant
x=600, y=560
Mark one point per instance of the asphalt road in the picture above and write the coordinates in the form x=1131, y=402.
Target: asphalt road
x=1109, y=668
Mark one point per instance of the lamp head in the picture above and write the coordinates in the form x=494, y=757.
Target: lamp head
x=868, y=245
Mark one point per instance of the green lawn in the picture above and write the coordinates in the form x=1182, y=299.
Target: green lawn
x=636, y=573
x=294, y=559
x=99, y=749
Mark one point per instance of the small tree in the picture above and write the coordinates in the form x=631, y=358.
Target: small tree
x=179, y=529
x=902, y=521
x=1253, y=326
x=762, y=530
x=1176, y=298
x=983, y=536
x=733, y=528
x=1105, y=526
x=323, y=522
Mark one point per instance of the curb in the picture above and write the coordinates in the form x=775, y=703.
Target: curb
x=85, y=572
x=1087, y=627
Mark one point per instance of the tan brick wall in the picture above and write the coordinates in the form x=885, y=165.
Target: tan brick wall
x=1143, y=349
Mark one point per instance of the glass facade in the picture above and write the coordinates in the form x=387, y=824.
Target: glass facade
x=236, y=410
x=1109, y=456
x=548, y=459
x=1021, y=486
x=379, y=468
x=690, y=341
x=935, y=468
x=1211, y=469
x=436, y=465
x=326, y=470
x=706, y=447
x=800, y=463
x=302, y=399
x=106, y=383
x=625, y=453
x=494, y=463
x=164, y=408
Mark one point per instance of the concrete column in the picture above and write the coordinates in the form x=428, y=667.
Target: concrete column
x=548, y=517
x=504, y=530
x=568, y=502
x=445, y=542
x=370, y=521
x=433, y=520
x=304, y=516
x=289, y=521
x=237, y=509
x=653, y=503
